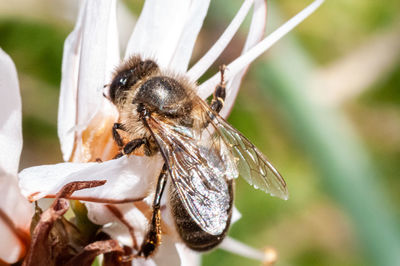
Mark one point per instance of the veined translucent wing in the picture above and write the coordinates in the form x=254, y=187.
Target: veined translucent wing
x=199, y=166
x=252, y=164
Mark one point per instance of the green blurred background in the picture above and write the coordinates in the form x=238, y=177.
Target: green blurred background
x=323, y=104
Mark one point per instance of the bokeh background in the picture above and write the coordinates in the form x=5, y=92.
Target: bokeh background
x=323, y=104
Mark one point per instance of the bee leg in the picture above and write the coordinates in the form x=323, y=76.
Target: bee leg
x=116, y=135
x=219, y=93
x=153, y=237
x=131, y=146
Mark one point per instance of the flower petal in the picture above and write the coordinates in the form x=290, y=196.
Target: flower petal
x=187, y=256
x=158, y=30
x=236, y=215
x=128, y=179
x=99, y=56
x=15, y=216
x=15, y=210
x=239, y=248
x=115, y=224
x=183, y=52
x=86, y=69
x=169, y=253
x=69, y=85
x=209, y=58
x=172, y=253
x=240, y=63
x=11, y=247
x=10, y=116
x=256, y=32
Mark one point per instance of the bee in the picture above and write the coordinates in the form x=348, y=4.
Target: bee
x=160, y=112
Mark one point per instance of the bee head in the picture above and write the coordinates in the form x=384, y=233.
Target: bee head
x=120, y=84
x=127, y=75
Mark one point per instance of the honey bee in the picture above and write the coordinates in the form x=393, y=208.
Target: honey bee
x=161, y=113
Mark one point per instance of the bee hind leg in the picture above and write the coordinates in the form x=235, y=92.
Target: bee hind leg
x=219, y=92
x=153, y=237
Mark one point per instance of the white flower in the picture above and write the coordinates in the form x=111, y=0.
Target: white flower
x=165, y=31
x=15, y=210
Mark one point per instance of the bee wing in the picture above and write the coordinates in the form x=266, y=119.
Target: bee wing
x=199, y=170
x=252, y=164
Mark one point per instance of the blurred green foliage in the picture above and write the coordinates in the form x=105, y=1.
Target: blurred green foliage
x=35, y=47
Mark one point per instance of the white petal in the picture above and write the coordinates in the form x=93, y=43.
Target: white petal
x=69, y=85
x=143, y=262
x=127, y=179
x=239, y=248
x=91, y=52
x=158, y=30
x=187, y=256
x=256, y=32
x=101, y=214
x=183, y=52
x=236, y=215
x=99, y=56
x=167, y=253
x=242, y=61
x=209, y=58
x=15, y=216
x=10, y=116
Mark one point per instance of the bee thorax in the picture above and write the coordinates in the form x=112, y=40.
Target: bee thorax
x=163, y=95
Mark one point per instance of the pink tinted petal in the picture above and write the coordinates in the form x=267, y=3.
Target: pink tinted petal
x=256, y=32
x=12, y=203
x=127, y=179
x=15, y=217
x=167, y=253
x=158, y=30
x=10, y=116
x=98, y=58
x=15, y=210
x=11, y=247
x=242, y=61
x=209, y=58
x=183, y=52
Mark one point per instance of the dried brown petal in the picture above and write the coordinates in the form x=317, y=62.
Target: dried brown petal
x=54, y=239
x=70, y=188
x=115, y=258
x=91, y=251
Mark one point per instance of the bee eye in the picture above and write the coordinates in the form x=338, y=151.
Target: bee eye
x=122, y=81
x=118, y=86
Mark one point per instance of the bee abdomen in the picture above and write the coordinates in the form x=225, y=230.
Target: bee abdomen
x=191, y=234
